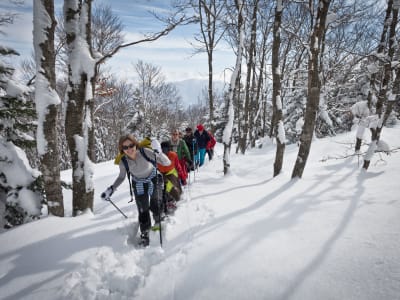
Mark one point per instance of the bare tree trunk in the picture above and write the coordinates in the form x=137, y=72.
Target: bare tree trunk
x=210, y=91
x=254, y=105
x=246, y=113
x=260, y=98
x=276, y=92
x=47, y=105
x=373, y=88
x=314, y=86
x=209, y=11
x=79, y=95
x=382, y=96
x=234, y=89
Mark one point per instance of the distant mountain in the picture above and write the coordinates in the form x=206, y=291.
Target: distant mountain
x=192, y=90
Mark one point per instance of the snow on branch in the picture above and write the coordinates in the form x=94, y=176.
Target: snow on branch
x=378, y=150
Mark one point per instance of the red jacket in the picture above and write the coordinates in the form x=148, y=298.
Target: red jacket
x=211, y=143
x=173, y=157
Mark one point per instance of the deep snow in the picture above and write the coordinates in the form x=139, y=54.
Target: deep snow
x=334, y=234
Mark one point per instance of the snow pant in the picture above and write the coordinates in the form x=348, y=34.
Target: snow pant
x=210, y=153
x=146, y=203
x=202, y=155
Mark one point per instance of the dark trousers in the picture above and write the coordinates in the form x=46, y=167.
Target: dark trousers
x=210, y=153
x=146, y=203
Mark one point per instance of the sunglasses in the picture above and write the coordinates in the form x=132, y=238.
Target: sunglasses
x=128, y=147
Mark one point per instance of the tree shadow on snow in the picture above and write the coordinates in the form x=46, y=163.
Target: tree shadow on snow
x=51, y=255
x=288, y=215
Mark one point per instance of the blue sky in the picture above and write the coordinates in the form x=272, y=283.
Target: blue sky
x=173, y=53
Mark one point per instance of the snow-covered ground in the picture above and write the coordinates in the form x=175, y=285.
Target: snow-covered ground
x=334, y=234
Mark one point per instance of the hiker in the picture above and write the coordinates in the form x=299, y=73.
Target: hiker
x=202, y=138
x=141, y=165
x=210, y=145
x=190, y=141
x=171, y=174
x=179, y=146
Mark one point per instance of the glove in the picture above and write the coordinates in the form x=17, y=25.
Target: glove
x=107, y=193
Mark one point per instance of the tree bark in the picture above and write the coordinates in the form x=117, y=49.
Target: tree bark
x=209, y=12
x=314, y=86
x=382, y=95
x=250, y=69
x=233, y=90
x=77, y=121
x=46, y=87
x=276, y=92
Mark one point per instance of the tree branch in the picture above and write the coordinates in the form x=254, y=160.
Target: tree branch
x=150, y=38
x=324, y=159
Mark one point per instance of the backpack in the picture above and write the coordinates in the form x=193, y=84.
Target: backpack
x=125, y=161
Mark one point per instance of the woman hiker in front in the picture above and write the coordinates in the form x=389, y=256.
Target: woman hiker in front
x=140, y=163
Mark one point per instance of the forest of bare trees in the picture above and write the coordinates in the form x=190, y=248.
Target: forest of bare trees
x=304, y=69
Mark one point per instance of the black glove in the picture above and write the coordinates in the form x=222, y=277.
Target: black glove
x=107, y=193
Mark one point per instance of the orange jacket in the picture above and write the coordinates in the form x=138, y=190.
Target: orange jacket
x=173, y=157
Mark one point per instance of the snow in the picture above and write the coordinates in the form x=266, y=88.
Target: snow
x=334, y=234
x=299, y=125
x=15, y=169
x=281, y=132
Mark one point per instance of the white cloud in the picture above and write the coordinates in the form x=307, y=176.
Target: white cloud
x=173, y=53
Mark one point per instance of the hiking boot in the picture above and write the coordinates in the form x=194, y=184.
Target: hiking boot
x=144, y=239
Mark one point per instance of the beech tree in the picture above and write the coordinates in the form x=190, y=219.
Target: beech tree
x=385, y=98
x=279, y=129
x=81, y=66
x=47, y=104
x=209, y=13
x=244, y=131
x=314, y=85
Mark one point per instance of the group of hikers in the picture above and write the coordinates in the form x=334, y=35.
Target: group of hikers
x=157, y=172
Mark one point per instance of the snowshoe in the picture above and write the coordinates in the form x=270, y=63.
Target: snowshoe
x=171, y=207
x=144, y=239
x=156, y=227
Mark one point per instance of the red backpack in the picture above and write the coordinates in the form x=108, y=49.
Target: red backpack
x=211, y=143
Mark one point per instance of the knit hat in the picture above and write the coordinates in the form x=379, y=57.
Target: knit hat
x=200, y=127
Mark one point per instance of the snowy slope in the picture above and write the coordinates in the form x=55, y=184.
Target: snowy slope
x=334, y=234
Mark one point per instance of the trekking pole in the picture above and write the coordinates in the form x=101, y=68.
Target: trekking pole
x=109, y=199
x=189, y=174
x=194, y=162
x=158, y=200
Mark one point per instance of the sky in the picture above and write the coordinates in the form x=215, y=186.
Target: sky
x=334, y=234
x=173, y=53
